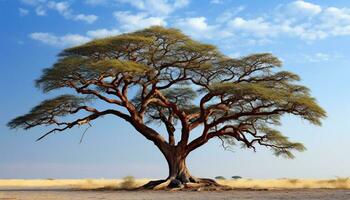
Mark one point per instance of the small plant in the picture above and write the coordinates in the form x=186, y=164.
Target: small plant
x=293, y=181
x=128, y=183
x=220, y=178
x=341, y=183
x=236, y=177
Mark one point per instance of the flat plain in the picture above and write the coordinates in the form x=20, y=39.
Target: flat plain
x=286, y=194
x=81, y=189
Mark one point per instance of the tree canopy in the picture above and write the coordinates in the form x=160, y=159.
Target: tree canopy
x=159, y=75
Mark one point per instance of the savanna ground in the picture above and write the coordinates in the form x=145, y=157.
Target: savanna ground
x=108, y=189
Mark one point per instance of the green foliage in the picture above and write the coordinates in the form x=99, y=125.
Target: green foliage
x=66, y=69
x=168, y=74
x=46, y=111
x=266, y=59
x=115, y=65
x=280, y=144
x=107, y=45
x=290, y=99
x=220, y=178
x=77, y=70
x=181, y=96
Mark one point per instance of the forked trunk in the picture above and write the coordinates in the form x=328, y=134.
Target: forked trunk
x=178, y=171
x=179, y=175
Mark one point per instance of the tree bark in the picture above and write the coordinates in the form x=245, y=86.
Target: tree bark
x=178, y=171
x=179, y=175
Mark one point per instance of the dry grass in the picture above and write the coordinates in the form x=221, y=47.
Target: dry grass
x=128, y=183
x=338, y=183
x=70, y=183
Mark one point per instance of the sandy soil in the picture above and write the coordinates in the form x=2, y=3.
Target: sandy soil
x=253, y=189
x=338, y=183
x=310, y=194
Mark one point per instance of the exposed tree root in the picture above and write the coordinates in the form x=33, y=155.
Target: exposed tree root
x=198, y=184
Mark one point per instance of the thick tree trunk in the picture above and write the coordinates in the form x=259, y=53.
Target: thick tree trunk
x=178, y=171
x=179, y=175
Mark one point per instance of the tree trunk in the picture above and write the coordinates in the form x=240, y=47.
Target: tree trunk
x=179, y=175
x=178, y=171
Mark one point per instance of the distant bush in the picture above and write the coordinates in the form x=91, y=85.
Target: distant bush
x=340, y=183
x=128, y=183
x=220, y=178
x=293, y=181
x=236, y=177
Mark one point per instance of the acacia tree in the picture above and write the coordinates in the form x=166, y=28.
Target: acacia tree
x=161, y=76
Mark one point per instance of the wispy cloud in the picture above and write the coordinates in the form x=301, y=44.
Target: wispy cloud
x=157, y=7
x=100, y=33
x=130, y=22
x=298, y=19
x=23, y=12
x=229, y=14
x=71, y=39
x=86, y=18
x=59, y=41
x=321, y=57
x=40, y=11
x=62, y=7
x=302, y=8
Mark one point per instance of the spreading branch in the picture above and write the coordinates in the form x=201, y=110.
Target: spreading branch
x=161, y=76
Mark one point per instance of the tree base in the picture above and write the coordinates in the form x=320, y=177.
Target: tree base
x=197, y=184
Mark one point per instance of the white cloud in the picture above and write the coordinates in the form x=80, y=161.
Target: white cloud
x=198, y=28
x=300, y=19
x=71, y=39
x=131, y=22
x=258, y=26
x=86, y=18
x=59, y=41
x=100, y=33
x=157, y=7
x=195, y=26
x=23, y=12
x=62, y=7
x=181, y=3
x=301, y=7
x=229, y=14
x=337, y=20
x=312, y=22
x=197, y=23
x=40, y=11
x=320, y=57
x=264, y=28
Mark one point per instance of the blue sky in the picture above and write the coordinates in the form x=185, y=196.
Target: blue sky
x=311, y=37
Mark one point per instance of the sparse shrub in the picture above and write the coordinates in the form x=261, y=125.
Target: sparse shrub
x=342, y=183
x=236, y=177
x=128, y=183
x=293, y=181
x=50, y=179
x=220, y=178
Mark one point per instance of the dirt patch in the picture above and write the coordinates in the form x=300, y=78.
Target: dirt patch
x=310, y=194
